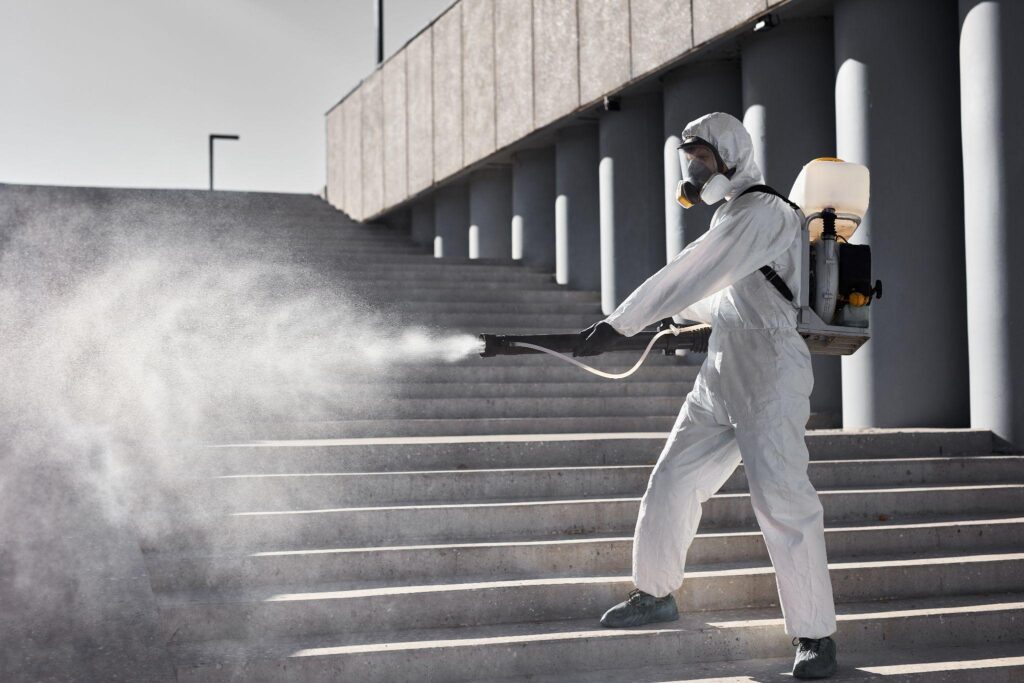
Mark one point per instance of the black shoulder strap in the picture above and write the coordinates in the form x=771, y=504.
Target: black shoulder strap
x=780, y=284
x=769, y=272
x=767, y=189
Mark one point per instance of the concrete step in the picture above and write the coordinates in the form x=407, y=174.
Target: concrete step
x=590, y=308
x=440, y=427
x=456, y=427
x=300, y=233
x=560, y=556
x=988, y=663
x=549, y=294
x=426, y=453
x=372, y=265
x=444, y=286
x=328, y=237
x=340, y=249
x=521, y=650
x=468, y=408
x=272, y=527
x=308, y=490
x=547, y=450
x=440, y=390
x=330, y=233
x=497, y=320
x=503, y=374
x=615, y=361
x=271, y=612
x=315, y=230
x=370, y=274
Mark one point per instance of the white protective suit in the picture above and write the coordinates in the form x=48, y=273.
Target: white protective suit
x=750, y=399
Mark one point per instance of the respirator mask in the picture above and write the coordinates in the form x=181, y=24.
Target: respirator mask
x=705, y=177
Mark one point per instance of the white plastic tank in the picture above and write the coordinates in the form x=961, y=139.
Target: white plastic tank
x=830, y=183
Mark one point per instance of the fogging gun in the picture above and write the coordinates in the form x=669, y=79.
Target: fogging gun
x=667, y=338
x=694, y=338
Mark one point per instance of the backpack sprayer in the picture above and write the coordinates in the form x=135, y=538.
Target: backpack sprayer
x=835, y=294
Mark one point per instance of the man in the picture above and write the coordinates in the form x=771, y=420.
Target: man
x=750, y=400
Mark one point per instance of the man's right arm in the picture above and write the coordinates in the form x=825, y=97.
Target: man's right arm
x=753, y=236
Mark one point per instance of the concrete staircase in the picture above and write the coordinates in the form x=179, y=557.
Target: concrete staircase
x=475, y=526
x=449, y=559
x=478, y=525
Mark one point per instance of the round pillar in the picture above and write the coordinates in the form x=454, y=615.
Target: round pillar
x=533, y=206
x=422, y=222
x=630, y=182
x=490, y=213
x=991, y=109
x=897, y=114
x=577, y=235
x=451, y=221
x=791, y=121
x=689, y=92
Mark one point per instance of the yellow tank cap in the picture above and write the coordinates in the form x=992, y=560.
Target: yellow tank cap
x=857, y=299
x=830, y=159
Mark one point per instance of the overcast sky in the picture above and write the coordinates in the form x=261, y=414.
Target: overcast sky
x=124, y=92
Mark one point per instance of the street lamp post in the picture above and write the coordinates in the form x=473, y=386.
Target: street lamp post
x=215, y=136
x=378, y=20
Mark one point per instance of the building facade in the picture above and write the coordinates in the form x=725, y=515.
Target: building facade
x=545, y=130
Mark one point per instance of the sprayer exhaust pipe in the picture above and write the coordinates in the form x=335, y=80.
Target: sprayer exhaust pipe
x=508, y=344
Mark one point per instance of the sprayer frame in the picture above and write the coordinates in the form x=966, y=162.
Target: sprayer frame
x=822, y=338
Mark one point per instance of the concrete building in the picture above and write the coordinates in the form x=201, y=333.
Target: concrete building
x=871, y=81
x=229, y=453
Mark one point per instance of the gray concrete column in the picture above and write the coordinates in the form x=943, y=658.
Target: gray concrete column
x=688, y=93
x=533, y=207
x=398, y=219
x=991, y=111
x=422, y=219
x=490, y=213
x=897, y=113
x=791, y=120
x=577, y=233
x=630, y=181
x=451, y=221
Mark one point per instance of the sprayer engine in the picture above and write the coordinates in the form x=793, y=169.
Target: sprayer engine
x=836, y=287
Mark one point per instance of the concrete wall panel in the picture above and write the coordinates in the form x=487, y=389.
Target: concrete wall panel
x=353, y=155
x=513, y=62
x=604, y=46
x=477, y=79
x=712, y=17
x=555, y=63
x=420, y=112
x=373, y=145
x=660, y=30
x=396, y=186
x=447, y=79
x=488, y=73
x=335, y=135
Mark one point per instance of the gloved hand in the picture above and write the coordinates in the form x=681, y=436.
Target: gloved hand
x=596, y=339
